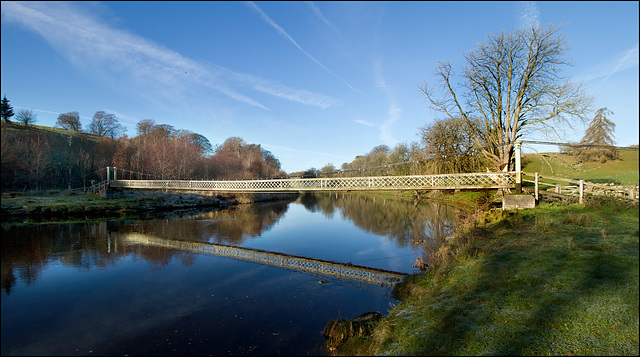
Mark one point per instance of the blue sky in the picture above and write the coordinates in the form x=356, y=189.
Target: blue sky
x=312, y=82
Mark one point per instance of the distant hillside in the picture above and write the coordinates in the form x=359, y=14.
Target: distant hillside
x=17, y=127
x=622, y=171
x=36, y=157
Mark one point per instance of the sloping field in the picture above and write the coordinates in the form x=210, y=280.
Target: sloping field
x=623, y=171
x=18, y=127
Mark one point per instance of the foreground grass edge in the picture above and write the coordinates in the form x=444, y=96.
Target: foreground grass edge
x=560, y=279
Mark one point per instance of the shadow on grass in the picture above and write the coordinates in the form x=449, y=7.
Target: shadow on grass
x=530, y=298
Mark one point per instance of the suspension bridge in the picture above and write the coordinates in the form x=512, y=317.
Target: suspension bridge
x=412, y=182
x=281, y=260
x=462, y=181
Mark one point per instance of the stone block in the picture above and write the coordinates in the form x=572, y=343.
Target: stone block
x=518, y=202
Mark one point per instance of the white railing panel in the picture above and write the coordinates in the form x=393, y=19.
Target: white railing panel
x=450, y=181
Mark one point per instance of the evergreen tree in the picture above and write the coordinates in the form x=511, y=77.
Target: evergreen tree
x=598, y=138
x=7, y=110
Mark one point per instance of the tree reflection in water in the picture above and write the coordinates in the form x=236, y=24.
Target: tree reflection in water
x=26, y=250
x=406, y=222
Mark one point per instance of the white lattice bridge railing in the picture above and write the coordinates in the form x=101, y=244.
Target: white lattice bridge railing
x=315, y=266
x=413, y=182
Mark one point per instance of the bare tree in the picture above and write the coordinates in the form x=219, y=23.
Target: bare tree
x=448, y=146
x=37, y=159
x=144, y=126
x=26, y=116
x=69, y=121
x=203, y=144
x=106, y=124
x=329, y=168
x=512, y=86
x=162, y=131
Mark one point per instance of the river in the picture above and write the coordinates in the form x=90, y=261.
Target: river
x=92, y=289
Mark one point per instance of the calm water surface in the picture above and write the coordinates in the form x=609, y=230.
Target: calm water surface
x=85, y=288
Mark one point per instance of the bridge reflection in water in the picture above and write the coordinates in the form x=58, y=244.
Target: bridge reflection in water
x=316, y=266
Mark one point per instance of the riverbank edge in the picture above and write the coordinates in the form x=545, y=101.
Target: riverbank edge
x=65, y=206
x=432, y=320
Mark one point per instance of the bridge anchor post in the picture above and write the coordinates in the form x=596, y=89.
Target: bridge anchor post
x=518, y=148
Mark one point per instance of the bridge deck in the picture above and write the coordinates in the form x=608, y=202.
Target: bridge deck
x=316, y=266
x=413, y=182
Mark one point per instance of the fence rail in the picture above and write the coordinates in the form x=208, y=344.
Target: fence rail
x=95, y=188
x=573, y=189
x=448, y=181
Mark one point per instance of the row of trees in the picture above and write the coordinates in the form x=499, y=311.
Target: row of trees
x=34, y=158
x=37, y=158
x=164, y=151
x=444, y=147
x=447, y=146
x=102, y=124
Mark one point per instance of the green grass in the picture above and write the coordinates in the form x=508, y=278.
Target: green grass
x=555, y=280
x=621, y=171
x=18, y=127
x=63, y=206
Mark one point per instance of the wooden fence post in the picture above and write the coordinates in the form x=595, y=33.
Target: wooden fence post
x=581, y=191
x=537, y=187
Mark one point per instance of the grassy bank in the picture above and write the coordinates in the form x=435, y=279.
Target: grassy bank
x=65, y=206
x=560, y=279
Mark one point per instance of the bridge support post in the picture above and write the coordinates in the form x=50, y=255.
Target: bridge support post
x=518, y=148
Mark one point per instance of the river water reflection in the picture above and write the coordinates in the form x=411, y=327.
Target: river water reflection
x=85, y=288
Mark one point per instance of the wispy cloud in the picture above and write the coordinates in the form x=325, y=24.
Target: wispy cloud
x=393, y=111
x=620, y=62
x=365, y=123
x=90, y=44
x=295, y=95
x=275, y=89
x=326, y=21
x=284, y=34
x=529, y=14
x=298, y=151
